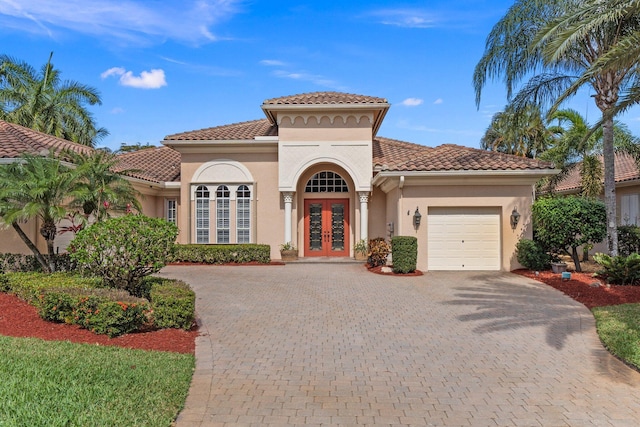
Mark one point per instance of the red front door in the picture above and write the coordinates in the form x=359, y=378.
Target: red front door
x=326, y=227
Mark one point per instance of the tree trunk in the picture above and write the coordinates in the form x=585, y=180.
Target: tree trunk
x=49, y=231
x=576, y=259
x=30, y=245
x=610, y=185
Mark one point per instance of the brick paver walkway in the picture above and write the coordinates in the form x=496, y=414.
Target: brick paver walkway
x=336, y=345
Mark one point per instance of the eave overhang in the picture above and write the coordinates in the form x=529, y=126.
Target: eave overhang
x=388, y=180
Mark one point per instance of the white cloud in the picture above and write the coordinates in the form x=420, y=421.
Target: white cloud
x=153, y=79
x=412, y=102
x=130, y=21
x=307, y=77
x=117, y=110
x=272, y=63
x=408, y=18
x=438, y=101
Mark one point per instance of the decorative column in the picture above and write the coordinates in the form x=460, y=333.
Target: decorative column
x=364, y=214
x=287, y=196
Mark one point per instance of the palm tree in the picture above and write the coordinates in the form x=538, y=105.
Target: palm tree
x=531, y=39
x=100, y=187
x=35, y=187
x=520, y=132
x=578, y=145
x=41, y=101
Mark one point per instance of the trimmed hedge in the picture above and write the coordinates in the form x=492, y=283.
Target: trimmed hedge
x=173, y=304
x=12, y=263
x=67, y=298
x=405, y=254
x=103, y=311
x=29, y=286
x=628, y=239
x=222, y=254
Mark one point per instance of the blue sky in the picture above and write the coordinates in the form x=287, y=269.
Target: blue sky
x=169, y=66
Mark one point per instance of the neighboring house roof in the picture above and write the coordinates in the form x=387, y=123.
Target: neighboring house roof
x=16, y=140
x=319, y=98
x=235, y=131
x=625, y=170
x=159, y=164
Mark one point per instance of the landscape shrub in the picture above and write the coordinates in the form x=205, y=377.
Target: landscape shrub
x=619, y=270
x=405, y=254
x=29, y=286
x=222, y=254
x=379, y=250
x=104, y=311
x=173, y=304
x=11, y=263
x=628, y=239
x=112, y=318
x=123, y=250
x=532, y=255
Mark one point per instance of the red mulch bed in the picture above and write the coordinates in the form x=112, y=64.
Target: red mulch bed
x=378, y=270
x=19, y=319
x=579, y=288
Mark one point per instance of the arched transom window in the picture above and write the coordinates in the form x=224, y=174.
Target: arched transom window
x=326, y=182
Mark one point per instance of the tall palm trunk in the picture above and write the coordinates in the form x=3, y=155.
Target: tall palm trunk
x=41, y=260
x=610, y=186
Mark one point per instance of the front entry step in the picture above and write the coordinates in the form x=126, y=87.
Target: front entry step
x=325, y=260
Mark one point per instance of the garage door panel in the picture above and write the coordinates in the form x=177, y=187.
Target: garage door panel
x=468, y=240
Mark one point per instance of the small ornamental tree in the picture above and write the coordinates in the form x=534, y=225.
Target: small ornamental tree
x=565, y=223
x=124, y=250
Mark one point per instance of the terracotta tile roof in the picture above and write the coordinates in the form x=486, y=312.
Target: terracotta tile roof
x=159, y=164
x=402, y=156
x=235, y=131
x=16, y=139
x=625, y=167
x=317, y=98
x=390, y=153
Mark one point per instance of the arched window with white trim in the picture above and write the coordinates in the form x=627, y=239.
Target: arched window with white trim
x=243, y=214
x=326, y=182
x=202, y=214
x=222, y=214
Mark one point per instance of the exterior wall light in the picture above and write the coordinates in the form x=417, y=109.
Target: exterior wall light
x=417, y=216
x=515, y=218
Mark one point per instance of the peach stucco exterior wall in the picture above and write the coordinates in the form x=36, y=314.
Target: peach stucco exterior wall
x=10, y=242
x=503, y=197
x=267, y=201
x=347, y=129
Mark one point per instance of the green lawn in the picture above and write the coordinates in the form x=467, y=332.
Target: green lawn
x=619, y=330
x=50, y=383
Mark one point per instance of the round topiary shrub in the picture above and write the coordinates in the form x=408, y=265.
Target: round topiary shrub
x=123, y=250
x=532, y=255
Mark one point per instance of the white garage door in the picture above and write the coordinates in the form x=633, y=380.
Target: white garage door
x=464, y=239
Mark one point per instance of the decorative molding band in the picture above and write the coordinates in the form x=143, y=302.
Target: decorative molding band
x=332, y=117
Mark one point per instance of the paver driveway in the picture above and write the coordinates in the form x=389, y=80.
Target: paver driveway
x=326, y=344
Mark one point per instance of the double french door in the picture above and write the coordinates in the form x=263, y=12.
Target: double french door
x=326, y=227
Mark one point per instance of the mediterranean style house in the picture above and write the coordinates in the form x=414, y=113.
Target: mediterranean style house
x=314, y=172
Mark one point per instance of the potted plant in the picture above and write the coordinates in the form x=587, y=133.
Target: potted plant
x=558, y=267
x=288, y=252
x=360, y=250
